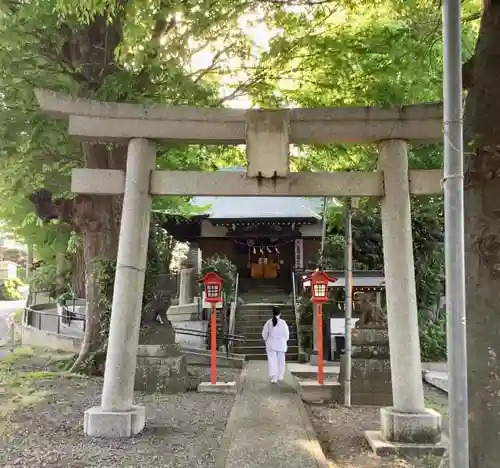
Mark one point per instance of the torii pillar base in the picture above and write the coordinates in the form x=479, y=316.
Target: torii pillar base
x=113, y=424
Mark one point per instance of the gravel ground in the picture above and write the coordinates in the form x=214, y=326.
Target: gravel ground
x=341, y=432
x=182, y=430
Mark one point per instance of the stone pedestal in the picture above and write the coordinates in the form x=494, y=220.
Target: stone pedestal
x=161, y=366
x=371, y=368
x=103, y=423
x=161, y=369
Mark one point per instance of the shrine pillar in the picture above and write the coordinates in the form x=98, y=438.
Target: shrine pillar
x=117, y=416
x=408, y=421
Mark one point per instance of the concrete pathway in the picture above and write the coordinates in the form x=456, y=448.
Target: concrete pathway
x=269, y=426
x=438, y=379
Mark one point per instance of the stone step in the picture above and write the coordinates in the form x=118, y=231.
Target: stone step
x=264, y=314
x=252, y=350
x=265, y=292
x=268, y=308
x=255, y=325
x=268, y=292
x=257, y=321
x=290, y=357
x=263, y=310
x=256, y=330
x=257, y=341
x=264, y=306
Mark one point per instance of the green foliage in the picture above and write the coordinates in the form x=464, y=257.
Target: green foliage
x=428, y=250
x=428, y=237
x=103, y=271
x=225, y=269
x=10, y=289
x=305, y=310
x=141, y=52
x=17, y=316
x=47, y=278
x=432, y=338
x=160, y=248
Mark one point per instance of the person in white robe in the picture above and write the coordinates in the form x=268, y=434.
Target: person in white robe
x=276, y=335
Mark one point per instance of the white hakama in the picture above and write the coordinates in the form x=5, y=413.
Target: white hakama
x=276, y=338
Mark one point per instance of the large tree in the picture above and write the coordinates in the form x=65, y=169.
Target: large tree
x=482, y=239
x=114, y=50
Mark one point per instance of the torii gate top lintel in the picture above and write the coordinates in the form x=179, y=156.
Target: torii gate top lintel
x=267, y=134
x=111, y=121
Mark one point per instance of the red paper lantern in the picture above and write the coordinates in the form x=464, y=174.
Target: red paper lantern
x=319, y=286
x=212, y=284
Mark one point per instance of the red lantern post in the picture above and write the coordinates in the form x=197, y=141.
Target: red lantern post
x=319, y=295
x=212, y=283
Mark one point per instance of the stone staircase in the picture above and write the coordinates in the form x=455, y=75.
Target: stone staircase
x=250, y=320
x=257, y=291
x=258, y=300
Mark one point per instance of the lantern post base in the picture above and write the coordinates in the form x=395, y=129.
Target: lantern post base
x=218, y=387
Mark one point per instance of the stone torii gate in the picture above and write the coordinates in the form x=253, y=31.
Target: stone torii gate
x=267, y=134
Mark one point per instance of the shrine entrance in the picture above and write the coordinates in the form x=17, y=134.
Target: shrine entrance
x=267, y=135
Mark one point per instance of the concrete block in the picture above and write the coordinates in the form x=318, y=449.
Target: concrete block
x=100, y=423
x=413, y=428
x=312, y=391
x=218, y=387
x=384, y=448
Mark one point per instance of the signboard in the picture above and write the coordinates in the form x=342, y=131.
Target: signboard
x=337, y=325
x=299, y=253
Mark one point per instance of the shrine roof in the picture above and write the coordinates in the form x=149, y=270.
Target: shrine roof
x=259, y=207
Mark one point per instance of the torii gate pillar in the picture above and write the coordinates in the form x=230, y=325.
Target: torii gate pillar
x=117, y=416
x=408, y=422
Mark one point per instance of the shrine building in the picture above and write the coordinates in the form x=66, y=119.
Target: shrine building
x=264, y=237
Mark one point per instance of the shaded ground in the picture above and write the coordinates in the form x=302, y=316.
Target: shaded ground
x=341, y=432
x=41, y=415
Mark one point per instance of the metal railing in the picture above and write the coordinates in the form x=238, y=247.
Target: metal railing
x=226, y=338
x=45, y=320
x=296, y=311
x=232, y=314
x=70, y=315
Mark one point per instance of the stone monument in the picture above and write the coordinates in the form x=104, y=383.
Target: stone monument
x=371, y=368
x=161, y=366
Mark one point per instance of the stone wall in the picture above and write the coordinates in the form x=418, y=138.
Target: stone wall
x=191, y=340
x=46, y=339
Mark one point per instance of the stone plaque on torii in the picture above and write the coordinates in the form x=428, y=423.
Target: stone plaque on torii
x=267, y=135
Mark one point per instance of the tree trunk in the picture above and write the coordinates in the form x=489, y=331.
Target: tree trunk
x=78, y=273
x=482, y=242
x=99, y=221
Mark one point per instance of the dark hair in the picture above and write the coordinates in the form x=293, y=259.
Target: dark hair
x=276, y=312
